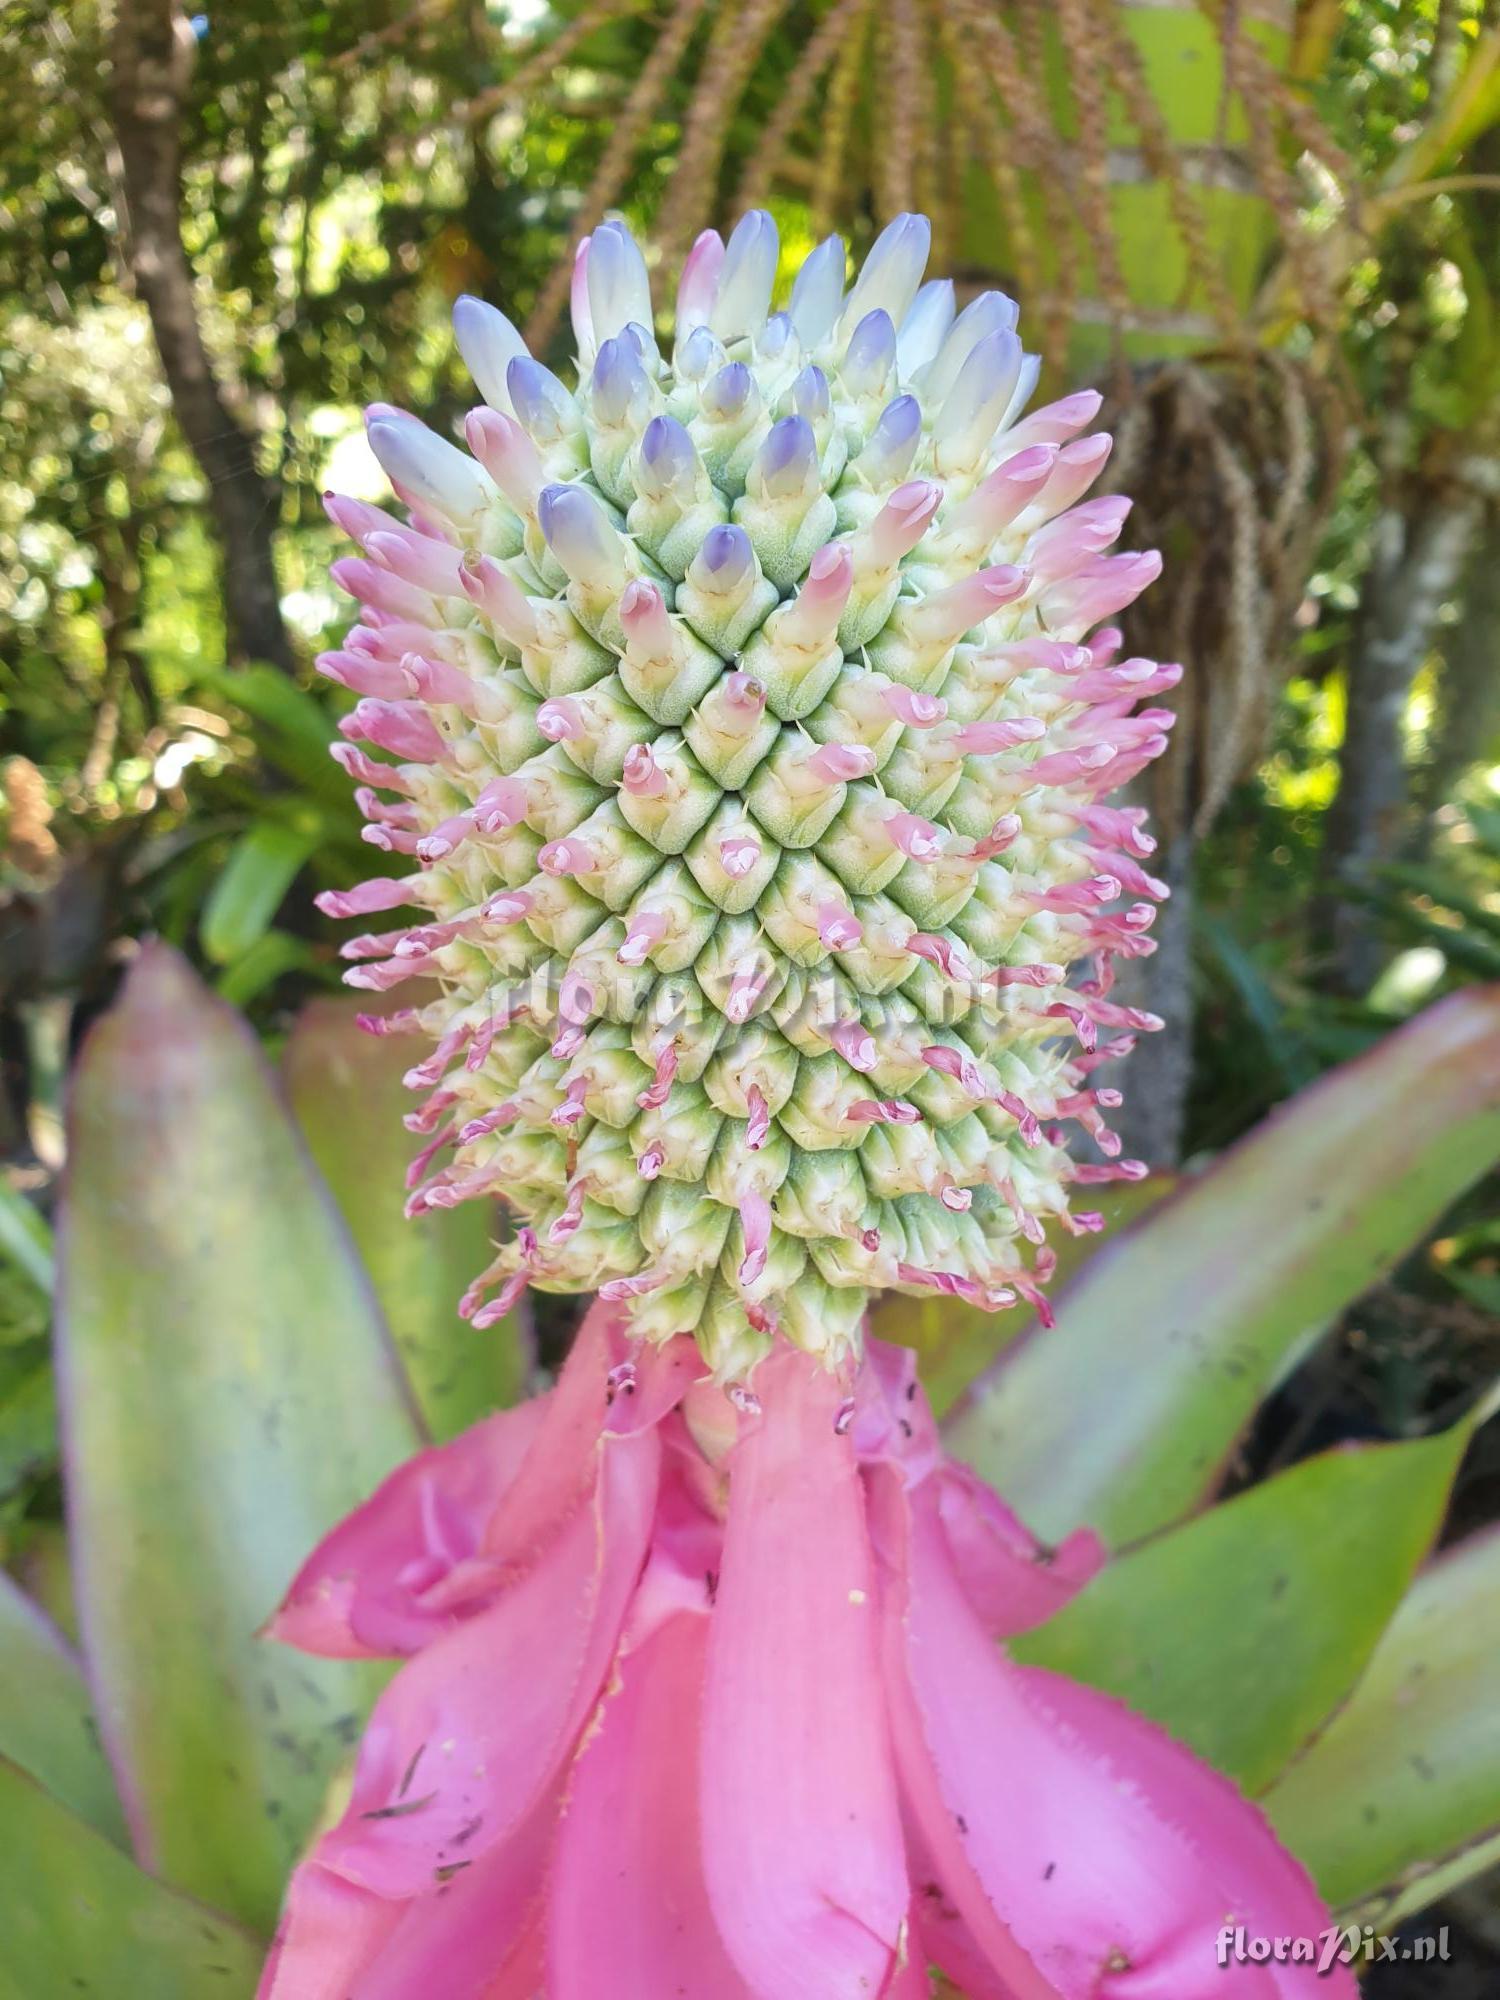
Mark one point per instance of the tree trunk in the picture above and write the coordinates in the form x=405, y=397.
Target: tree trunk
x=152, y=59
x=1417, y=558
x=1469, y=687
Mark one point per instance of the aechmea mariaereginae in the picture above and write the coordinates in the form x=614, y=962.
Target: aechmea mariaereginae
x=751, y=711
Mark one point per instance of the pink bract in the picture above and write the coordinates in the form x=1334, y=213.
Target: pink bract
x=709, y=1700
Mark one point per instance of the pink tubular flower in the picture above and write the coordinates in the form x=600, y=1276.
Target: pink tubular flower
x=709, y=1698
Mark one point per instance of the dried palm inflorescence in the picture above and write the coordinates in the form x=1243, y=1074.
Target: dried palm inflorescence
x=1232, y=462
x=884, y=105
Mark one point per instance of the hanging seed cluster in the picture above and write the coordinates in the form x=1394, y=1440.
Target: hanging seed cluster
x=745, y=716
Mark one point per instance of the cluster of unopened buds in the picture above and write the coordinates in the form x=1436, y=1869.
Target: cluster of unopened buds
x=749, y=714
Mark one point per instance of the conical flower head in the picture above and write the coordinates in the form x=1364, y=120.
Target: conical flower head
x=746, y=716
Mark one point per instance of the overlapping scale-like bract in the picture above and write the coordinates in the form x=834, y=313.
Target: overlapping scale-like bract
x=744, y=718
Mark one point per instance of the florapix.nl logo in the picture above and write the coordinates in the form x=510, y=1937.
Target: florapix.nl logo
x=1340, y=1944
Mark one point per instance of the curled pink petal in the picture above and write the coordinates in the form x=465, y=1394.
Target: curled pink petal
x=883, y=1111
x=643, y=777
x=836, y=763
x=855, y=1044
x=838, y=927
x=916, y=837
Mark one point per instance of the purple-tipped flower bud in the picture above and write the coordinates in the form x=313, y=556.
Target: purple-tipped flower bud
x=892, y=272
x=974, y=406
x=925, y=327
x=698, y=284
x=886, y=459
x=810, y=396
x=488, y=343
x=727, y=395
x=774, y=339
x=432, y=473
x=744, y=294
x=700, y=355
x=581, y=538
x=786, y=464
x=620, y=387
x=725, y=565
x=618, y=287
x=990, y=313
x=541, y=402
x=818, y=294
x=668, y=467
x=870, y=356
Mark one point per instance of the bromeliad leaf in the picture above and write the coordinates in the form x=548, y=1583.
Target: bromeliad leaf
x=229, y=1392
x=1122, y=1417
x=1398, y=1800
x=80, y=1918
x=1242, y=1630
x=346, y=1091
x=47, y=1724
x=262, y=865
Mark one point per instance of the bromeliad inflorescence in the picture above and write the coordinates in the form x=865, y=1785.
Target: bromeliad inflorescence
x=749, y=740
x=750, y=713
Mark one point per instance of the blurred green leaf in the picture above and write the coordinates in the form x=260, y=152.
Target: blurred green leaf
x=262, y=865
x=267, y=960
x=25, y=1238
x=346, y=1091
x=47, y=1724
x=269, y=697
x=28, y=1415
x=82, y=1922
x=1399, y=1799
x=1172, y=1336
x=1439, y=887
x=956, y=1342
x=292, y=729
x=1266, y=1015
x=230, y=1393
x=1241, y=1631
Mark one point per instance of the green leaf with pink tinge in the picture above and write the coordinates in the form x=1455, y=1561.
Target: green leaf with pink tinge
x=346, y=1091
x=229, y=1392
x=47, y=1723
x=1122, y=1417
